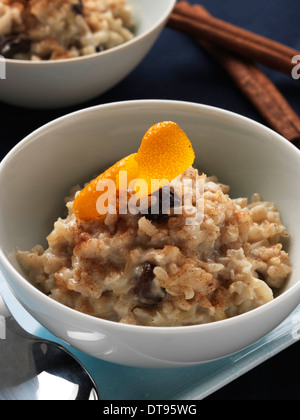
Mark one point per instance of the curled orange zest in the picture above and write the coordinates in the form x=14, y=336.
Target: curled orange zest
x=84, y=205
x=165, y=153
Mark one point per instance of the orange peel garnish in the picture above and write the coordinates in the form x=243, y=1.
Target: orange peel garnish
x=84, y=206
x=165, y=153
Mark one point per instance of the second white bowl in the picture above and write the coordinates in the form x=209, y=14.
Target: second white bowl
x=56, y=84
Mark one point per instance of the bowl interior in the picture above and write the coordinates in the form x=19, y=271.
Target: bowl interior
x=146, y=16
x=37, y=175
x=147, y=13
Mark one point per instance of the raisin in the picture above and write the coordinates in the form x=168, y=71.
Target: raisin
x=166, y=200
x=13, y=44
x=260, y=276
x=100, y=48
x=148, y=294
x=77, y=8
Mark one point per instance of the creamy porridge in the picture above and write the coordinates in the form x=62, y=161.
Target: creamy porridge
x=59, y=29
x=159, y=270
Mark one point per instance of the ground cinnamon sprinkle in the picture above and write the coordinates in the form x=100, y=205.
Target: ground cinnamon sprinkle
x=237, y=50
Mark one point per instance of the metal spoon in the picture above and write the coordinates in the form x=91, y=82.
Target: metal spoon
x=35, y=369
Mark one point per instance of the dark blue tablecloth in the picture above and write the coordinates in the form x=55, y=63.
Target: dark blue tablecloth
x=177, y=68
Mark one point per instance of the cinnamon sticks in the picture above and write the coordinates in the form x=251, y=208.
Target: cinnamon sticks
x=240, y=41
x=236, y=50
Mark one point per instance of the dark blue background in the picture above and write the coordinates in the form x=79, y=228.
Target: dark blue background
x=176, y=68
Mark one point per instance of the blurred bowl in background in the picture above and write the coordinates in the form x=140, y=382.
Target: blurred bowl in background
x=62, y=83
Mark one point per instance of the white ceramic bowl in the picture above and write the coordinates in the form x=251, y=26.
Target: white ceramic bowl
x=55, y=84
x=38, y=172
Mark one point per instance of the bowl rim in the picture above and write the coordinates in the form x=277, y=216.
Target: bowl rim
x=126, y=44
x=39, y=296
